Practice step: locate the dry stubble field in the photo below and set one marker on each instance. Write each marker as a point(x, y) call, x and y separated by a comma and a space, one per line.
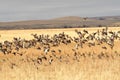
point(16, 67)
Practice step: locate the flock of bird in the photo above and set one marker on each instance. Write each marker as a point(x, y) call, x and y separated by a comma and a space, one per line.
point(44, 43)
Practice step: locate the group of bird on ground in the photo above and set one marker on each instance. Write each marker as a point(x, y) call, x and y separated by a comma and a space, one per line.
point(47, 43)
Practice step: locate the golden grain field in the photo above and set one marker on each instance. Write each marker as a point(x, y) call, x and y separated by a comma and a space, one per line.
point(25, 67)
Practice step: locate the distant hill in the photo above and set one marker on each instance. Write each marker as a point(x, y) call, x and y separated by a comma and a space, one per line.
point(63, 22)
point(69, 18)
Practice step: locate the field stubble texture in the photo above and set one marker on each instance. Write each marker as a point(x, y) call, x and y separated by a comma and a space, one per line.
point(74, 54)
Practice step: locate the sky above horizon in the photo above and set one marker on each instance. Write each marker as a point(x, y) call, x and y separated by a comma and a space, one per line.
point(17, 10)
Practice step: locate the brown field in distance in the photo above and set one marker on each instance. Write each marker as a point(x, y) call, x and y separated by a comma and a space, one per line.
point(16, 67)
point(63, 22)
